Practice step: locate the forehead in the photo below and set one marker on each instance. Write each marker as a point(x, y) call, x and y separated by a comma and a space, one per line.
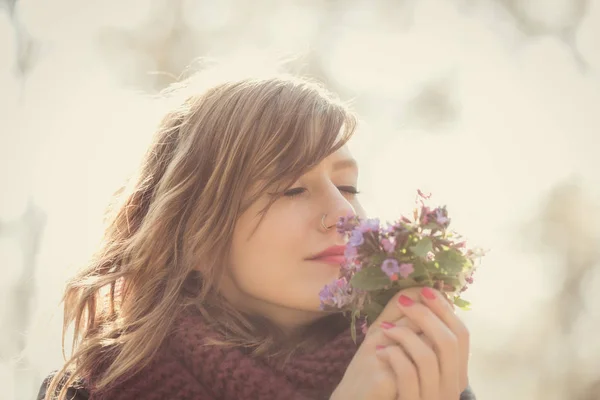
point(341, 159)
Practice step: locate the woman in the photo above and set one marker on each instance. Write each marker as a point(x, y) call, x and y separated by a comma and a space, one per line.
point(207, 283)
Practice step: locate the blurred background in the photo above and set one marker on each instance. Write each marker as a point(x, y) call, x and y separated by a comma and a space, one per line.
point(492, 105)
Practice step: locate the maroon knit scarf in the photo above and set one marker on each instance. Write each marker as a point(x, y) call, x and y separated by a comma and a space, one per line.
point(184, 369)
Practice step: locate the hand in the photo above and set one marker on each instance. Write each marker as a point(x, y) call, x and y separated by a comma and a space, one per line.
point(430, 366)
point(367, 376)
point(390, 373)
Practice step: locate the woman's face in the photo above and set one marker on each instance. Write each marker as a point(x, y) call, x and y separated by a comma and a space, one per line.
point(273, 270)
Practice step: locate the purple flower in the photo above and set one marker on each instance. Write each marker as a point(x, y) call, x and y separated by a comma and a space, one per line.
point(350, 252)
point(441, 216)
point(370, 225)
point(438, 216)
point(388, 245)
point(349, 268)
point(356, 238)
point(336, 294)
point(406, 270)
point(391, 268)
point(348, 223)
point(389, 229)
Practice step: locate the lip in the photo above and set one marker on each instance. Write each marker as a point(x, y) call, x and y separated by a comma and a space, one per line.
point(332, 255)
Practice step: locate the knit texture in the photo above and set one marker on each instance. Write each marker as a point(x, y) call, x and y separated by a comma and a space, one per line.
point(185, 369)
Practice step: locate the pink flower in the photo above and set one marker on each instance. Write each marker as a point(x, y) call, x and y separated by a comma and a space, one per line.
point(425, 196)
point(469, 279)
point(406, 269)
point(364, 327)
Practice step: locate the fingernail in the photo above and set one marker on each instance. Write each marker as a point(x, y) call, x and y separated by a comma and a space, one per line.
point(428, 293)
point(379, 347)
point(387, 325)
point(405, 301)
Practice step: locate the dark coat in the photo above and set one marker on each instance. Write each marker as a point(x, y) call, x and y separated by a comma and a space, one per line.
point(72, 393)
point(82, 394)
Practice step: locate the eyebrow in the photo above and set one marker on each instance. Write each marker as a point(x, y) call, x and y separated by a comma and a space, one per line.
point(345, 163)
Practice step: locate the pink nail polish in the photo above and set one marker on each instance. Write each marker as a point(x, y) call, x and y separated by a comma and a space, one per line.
point(379, 347)
point(387, 325)
point(405, 301)
point(428, 293)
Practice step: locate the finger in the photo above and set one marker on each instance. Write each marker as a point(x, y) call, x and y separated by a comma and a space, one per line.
point(423, 357)
point(404, 322)
point(390, 311)
point(405, 371)
point(444, 341)
point(426, 340)
point(435, 301)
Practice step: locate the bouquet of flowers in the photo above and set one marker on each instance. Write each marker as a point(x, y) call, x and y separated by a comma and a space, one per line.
point(380, 261)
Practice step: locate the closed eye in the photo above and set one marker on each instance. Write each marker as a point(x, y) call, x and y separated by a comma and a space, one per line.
point(351, 190)
point(294, 192)
point(348, 189)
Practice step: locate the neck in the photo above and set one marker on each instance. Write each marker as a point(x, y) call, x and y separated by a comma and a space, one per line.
point(290, 321)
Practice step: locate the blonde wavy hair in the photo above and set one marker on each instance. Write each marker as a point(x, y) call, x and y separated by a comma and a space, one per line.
point(169, 230)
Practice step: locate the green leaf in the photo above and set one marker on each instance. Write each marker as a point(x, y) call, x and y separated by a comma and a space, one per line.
point(462, 304)
point(420, 271)
point(354, 317)
point(384, 296)
point(423, 247)
point(452, 261)
point(401, 284)
point(433, 226)
point(373, 309)
point(450, 281)
point(377, 259)
point(370, 279)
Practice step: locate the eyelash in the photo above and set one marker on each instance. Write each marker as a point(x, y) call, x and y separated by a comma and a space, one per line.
point(351, 190)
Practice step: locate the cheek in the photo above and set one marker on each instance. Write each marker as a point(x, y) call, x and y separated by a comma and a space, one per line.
point(272, 249)
point(279, 238)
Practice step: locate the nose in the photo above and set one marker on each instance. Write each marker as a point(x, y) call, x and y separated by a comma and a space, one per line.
point(338, 207)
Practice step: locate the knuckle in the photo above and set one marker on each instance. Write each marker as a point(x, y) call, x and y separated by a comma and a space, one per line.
point(398, 334)
point(426, 357)
point(449, 341)
point(462, 332)
point(426, 360)
point(403, 367)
